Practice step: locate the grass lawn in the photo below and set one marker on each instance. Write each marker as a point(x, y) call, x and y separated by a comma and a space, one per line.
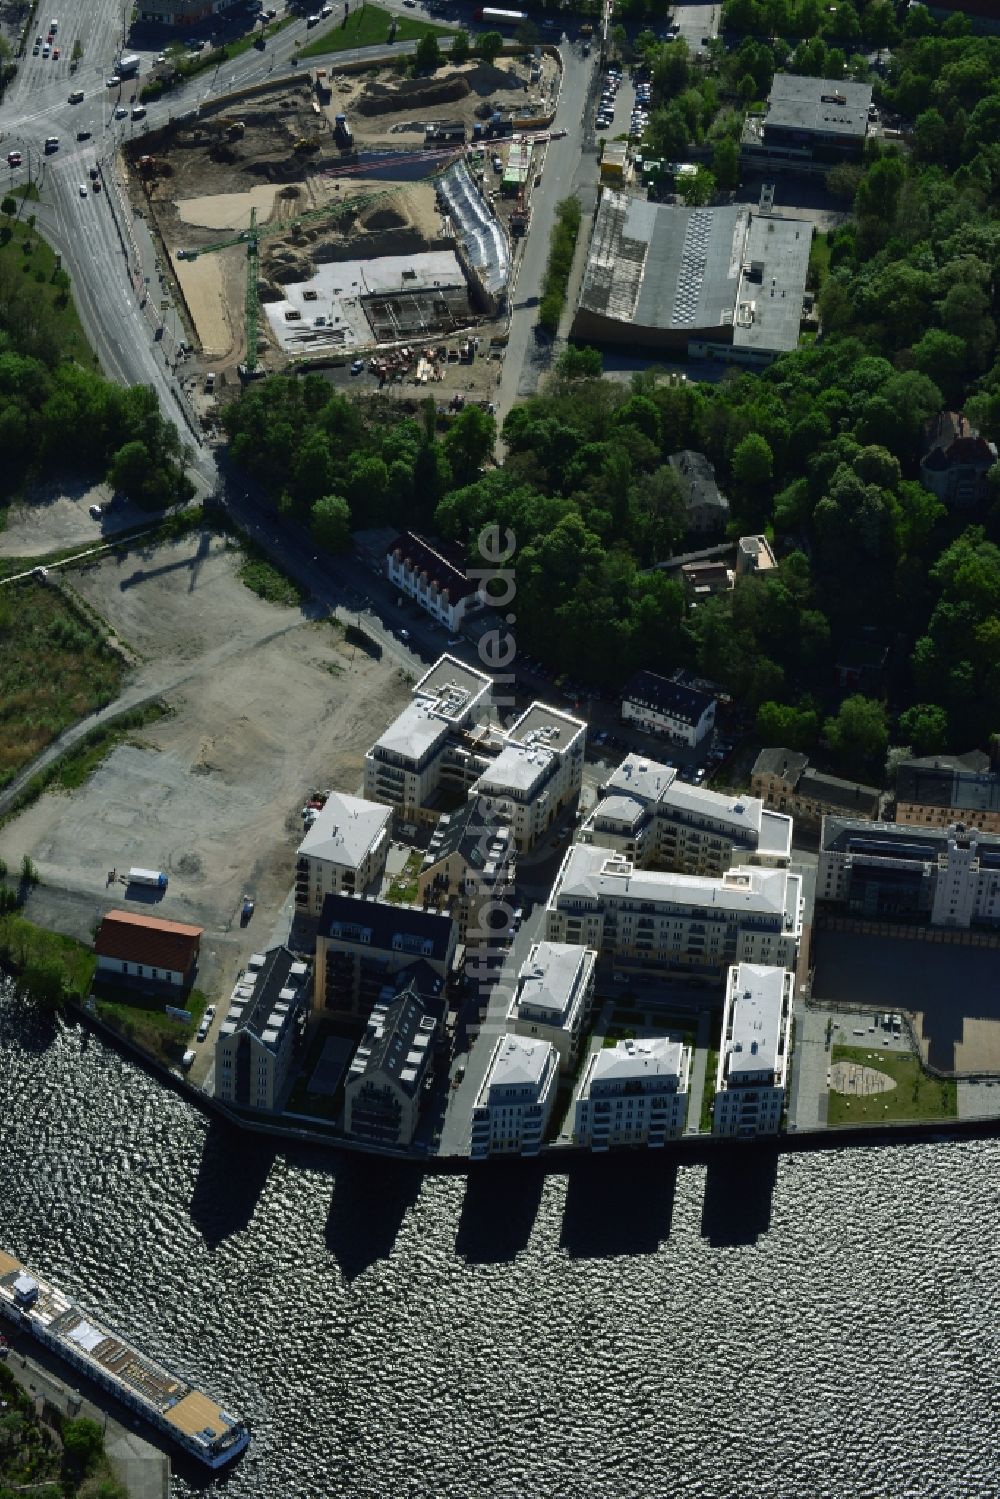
point(54, 669)
point(234, 49)
point(27, 251)
point(145, 1022)
point(24, 945)
point(403, 886)
point(916, 1095)
point(708, 1097)
point(268, 581)
point(368, 26)
point(819, 261)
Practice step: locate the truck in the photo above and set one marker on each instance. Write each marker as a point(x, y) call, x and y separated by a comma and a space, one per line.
point(128, 64)
point(151, 879)
point(343, 131)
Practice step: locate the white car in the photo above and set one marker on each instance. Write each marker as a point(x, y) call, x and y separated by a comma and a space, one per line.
point(83, 189)
point(187, 1059)
point(113, 82)
point(121, 113)
point(138, 111)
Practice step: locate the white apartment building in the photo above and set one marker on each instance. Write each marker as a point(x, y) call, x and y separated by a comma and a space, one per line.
point(635, 1093)
point(260, 1033)
point(753, 1060)
point(553, 997)
point(661, 822)
point(692, 926)
point(514, 1103)
point(344, 850)
point(437, 584)
point(444, 747)
point(675, 710)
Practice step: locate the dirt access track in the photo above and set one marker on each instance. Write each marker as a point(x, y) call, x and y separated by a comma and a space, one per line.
point(267, 704)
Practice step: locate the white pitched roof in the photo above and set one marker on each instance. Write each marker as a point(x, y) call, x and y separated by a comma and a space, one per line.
point(345, 829)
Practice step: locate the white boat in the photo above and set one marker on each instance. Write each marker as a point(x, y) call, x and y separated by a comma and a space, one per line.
point(190, 1418)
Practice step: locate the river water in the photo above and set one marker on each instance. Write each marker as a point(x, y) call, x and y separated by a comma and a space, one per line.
point(824, 1327)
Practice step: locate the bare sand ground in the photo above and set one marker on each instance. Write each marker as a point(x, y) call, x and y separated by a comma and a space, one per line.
point(228, 210)
point(202, 282)
point(268, 704)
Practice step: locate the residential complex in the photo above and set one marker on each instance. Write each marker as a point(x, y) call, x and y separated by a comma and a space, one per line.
point(391, 1068)
point(647, 922)
point(436, 582)
point(444, 749)
point(941, 789)
point(260, 1033)
point(634, 1093)
point(783, 780)
point(753, 1060)
point(885, 871)
point(658, 821)
point(810, 125)
point(723, 283)
point(344, 850)
point(468, 868)
point(553, 997)
point(362, 945)
point(670, 708)
point(131, 946)
point(514, 1102)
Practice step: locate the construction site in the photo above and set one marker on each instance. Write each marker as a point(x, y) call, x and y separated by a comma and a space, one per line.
point(326, 216)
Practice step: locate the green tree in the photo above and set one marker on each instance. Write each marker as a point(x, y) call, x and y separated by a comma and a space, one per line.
point(428, 53)
point(490, 45)
point(780, 725)
point(925, 727)
point(696, 189)
point(459, 52)
point(469, 442)
point(752, 461)
point(858, 734)
point(8, 206)
point(331, 523)
point(726, 164)
point(83, 1443)
point(580, 362)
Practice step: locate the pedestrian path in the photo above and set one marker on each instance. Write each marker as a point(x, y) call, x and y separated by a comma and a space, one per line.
point(698, 1066)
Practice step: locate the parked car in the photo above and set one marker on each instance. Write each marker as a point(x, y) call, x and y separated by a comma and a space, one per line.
point(187, 1060)
point(96, 511)
point(113, 82)
point(357, 367)
point(83, 189)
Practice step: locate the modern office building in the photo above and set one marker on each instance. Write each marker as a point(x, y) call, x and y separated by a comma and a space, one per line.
point(344, 850)
point(752, 1073)
point(444, 749)
point(939, 790)
point(634, 1094)
point(468, 868)
point(723, 283)
point(553, 997)
point(650, 815)
point(362, 945)
point(438, 583)
point(810, 125)
point(646, 923)
point(674, 710)
point(391, 1069)
point(885, 871)
point(785, 782)
point(261, 1031)
point(514, 1102)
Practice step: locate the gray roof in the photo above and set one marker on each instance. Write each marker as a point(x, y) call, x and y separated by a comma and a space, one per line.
point(769, 306)
point(686, 704)
point(398, 1041)
point(552, 980)
point(941, 785)
point(268, 996)
point(788, 764)
point(851, 795)
point(656, 1056)
point(811, 104)
point(755, 1022)
point(474, 832)
point(378, 924)
point(696, 478)
point(899, 840)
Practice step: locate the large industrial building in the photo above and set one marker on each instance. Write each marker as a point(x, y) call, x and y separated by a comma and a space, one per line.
point(715, 283)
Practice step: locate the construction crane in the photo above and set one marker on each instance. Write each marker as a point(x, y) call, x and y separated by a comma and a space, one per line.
point(252, 236)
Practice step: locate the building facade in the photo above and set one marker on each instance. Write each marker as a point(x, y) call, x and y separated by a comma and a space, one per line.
point(650, 815)
point(362, 945)
point(536, 775)
point(514, 1103)
point(671, 709)
point(752, 1076)
point(146, 951)
point(885, 871)
point(662, 925)
point(262, 1030)
point(785, 782)
point(633, 1094)
point(939, 790)
point(344, 850)
point(391, 1069)
point(468, 869)
point(553, 998)
point(433, 580)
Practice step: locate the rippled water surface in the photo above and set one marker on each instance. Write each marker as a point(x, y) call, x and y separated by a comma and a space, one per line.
point(827, 1327)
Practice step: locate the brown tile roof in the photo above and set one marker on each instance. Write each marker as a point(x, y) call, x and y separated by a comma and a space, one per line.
point(134, 938)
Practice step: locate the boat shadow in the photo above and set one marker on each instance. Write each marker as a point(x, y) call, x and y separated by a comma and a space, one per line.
point(617, 1206)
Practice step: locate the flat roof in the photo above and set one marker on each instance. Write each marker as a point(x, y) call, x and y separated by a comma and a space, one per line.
point(345, 829)
point(552, 979)
point(769, 309)
point(544, 725)
point(592, 872)
point(448, 680)
point(517, 768)
point(753, 1041)
point(641, 777)
point(656, 1056)
point(824, 106)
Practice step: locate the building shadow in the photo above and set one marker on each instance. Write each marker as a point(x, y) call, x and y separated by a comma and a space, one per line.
point(739, 1190)
point(232, 1174)
point(371, 1197)
point(499, 1211)
point(618, 1205)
